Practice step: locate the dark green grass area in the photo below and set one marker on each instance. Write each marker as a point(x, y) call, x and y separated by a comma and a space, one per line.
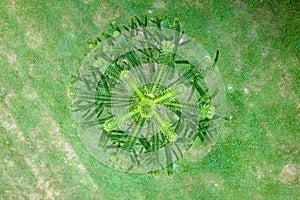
point(42, 43)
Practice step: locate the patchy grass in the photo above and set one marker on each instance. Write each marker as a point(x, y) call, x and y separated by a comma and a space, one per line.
point(258, 156)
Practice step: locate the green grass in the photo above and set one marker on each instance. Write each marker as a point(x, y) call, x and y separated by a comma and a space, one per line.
point(43, 42)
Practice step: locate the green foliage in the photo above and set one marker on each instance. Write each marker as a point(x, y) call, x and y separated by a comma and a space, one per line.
point(151, 103)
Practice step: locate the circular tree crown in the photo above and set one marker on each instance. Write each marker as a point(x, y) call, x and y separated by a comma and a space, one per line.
point(145, 94)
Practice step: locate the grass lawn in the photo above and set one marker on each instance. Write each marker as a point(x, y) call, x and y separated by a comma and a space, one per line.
point(42, 43)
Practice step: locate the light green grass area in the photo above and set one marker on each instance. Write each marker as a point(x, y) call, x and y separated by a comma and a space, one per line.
point(42, 43)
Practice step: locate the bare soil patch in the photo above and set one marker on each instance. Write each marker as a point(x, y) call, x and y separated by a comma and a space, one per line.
point(288, 174)
point(159, 4)
point(33, 38)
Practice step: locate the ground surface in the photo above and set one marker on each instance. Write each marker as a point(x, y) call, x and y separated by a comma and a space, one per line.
point(258, 155)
